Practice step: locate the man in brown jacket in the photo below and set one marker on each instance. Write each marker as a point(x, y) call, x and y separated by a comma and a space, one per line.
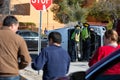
point(13, 50)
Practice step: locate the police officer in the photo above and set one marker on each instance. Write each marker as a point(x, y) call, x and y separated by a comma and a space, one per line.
point(85, 34)
point(76, 41)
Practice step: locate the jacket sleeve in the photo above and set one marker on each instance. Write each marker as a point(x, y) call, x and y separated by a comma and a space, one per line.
point(40, 61)
point(68, 64)
point(23, 55)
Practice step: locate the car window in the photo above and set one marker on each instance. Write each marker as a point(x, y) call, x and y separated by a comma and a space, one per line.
point(25, 34)
point(34, 34)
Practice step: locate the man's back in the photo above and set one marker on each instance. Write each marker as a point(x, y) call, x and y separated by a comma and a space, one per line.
point(9, 52)
point(58, 61)
point(13, 50)
point(55, 60)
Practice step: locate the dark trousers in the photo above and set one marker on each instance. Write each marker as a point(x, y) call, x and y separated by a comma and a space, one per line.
point(86, 49)
point(75, 51)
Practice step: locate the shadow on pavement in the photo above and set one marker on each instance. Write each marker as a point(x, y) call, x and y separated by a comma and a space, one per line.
point(80, 75)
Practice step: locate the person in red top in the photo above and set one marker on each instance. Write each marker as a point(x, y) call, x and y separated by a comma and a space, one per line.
point(111, 45)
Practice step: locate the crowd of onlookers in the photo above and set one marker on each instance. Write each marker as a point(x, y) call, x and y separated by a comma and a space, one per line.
point(53, 59)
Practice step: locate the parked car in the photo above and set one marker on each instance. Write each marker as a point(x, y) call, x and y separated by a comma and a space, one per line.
point(31, 39)
point(94, 71)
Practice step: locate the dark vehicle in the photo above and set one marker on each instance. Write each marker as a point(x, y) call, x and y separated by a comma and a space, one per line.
point(31, 39)
point(103, 65)
point(94, 71)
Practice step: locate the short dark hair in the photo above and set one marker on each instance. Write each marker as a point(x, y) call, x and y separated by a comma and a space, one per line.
point(55, 36)
point(9, 20)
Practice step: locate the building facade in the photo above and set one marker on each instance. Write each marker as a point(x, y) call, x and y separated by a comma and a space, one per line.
point(26, 13)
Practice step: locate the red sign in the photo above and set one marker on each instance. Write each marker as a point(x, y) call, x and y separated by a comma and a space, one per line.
point(41, 4)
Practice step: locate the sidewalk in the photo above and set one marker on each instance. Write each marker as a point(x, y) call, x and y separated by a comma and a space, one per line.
point(78, 66)
point(30, 74)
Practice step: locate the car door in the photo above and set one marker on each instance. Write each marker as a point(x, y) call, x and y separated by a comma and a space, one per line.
point(104, 64)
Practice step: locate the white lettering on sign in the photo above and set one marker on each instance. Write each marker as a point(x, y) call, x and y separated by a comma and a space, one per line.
point(44, 1)
point(33, 1)
point(40, 1)
point(44, 8)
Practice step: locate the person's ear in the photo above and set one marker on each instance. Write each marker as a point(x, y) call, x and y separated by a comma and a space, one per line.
point(11, 26)
point(51, 40)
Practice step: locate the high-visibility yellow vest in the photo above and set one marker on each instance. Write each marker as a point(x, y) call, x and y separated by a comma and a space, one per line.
point(85, 33)
point(76, 35)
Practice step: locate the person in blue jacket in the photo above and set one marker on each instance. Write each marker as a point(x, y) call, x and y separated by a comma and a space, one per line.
point(53, 60)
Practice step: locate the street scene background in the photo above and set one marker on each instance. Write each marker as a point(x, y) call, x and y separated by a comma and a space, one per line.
point(100, 14)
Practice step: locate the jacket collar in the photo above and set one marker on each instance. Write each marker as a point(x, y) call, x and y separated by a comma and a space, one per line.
point(4, 28)
point(113, 44)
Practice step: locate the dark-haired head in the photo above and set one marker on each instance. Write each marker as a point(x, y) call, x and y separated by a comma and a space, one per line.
point(55, 37)
point(9, 20)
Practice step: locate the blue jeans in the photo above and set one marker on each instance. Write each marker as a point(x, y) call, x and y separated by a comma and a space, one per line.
point(10, 78)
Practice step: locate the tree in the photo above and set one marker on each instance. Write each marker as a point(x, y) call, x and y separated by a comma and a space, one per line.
point(69, 10)
point(106, 10)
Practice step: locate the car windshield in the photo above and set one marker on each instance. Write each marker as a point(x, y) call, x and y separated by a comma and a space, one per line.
point(34, 34)
point(28, 34)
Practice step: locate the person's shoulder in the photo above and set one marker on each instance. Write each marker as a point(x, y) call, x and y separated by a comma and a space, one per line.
point(53, 47)
point(118, 46)
point(106, 47)
point(19, 37)
point(63, 49)
point(47, 48)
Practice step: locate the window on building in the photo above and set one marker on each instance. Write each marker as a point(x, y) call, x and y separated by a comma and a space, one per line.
point(21, 9)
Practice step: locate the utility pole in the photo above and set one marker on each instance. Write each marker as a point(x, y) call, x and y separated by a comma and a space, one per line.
point(47, 18)
point(6, 8)
point(9, 7)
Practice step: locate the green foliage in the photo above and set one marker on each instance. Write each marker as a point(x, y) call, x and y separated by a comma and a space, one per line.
point(27, 24)
point(105, 10)
point(66, 11)
point(74, 2)
point(109, 25)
